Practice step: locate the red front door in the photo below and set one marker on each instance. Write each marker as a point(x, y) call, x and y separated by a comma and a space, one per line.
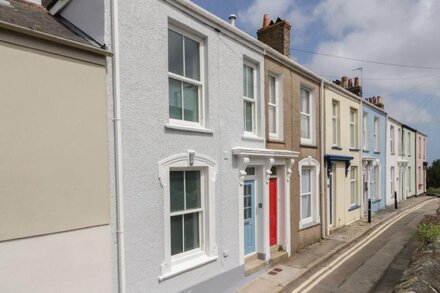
point(273, 196)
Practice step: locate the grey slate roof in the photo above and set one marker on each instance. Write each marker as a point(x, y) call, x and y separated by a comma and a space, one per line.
point(37, 18)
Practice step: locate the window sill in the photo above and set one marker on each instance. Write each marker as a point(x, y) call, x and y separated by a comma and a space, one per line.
point(334, 147)
point(276, 140)
point(376, 200)
point(308, 145)
point(365, 151)
point(180, 268)
point(309, 225)
point(252, 137)
point(354, 207)
point(354, 150)
point(189, 128)
point(305, 141)
point(377, 153)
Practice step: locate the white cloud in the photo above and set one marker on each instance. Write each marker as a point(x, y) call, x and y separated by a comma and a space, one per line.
point(411, 113)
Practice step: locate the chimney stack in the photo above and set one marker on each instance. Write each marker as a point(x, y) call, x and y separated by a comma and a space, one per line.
point(232, 19)
point(344, 80)
point(356, 81)
point(276, 34)
point(347, 84)
point(377, 101)
point(350, 83)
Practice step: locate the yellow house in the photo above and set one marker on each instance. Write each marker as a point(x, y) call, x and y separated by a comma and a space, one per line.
point(341, 155)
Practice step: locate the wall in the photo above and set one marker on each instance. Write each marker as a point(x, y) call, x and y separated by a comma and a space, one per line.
point(410, 157)
point(420, 158)
point(53, 141)
point(146, 140)
point(54, 175)
point(292, 82)
point(377, 155)
point(87, 15)
point(392, 161)
point(342, 200)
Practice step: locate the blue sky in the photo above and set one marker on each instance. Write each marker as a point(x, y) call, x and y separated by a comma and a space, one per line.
point(392, 31)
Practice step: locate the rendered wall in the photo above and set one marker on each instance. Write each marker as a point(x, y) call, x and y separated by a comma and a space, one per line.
point(420, 158)
point(53, 143)
point(392, 161)
point(410, 156)
point(146, 140)
point(342, 198)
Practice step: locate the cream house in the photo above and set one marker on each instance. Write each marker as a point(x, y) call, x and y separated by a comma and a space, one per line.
point(54, 160)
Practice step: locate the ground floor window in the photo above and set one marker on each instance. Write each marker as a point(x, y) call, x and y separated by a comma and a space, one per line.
point(392, 182)
point(353, 186)
point(376, 183)
point(309, 192)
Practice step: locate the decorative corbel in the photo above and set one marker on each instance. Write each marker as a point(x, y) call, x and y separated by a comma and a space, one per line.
point(269, 163)
point(329, 168)
point(244, 162)
point(347, 167)
point(191, 156)
point(289, 168)
point(162, 181)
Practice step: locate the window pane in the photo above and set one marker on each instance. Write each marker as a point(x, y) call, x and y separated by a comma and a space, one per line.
point(305, 180)
point(176, 191)
point(352, 136)
point(175, 53)
point(335, 134)
point(305, 126)
point(175, 98)
point(176, 235)
point(272, 90)
point(272, 120)
point(353, 192)
point(306, 206)
point(244, 81)
point(249, 82)
point(305, 101)
point(192, 181)
point(250, 171)
point(334, 110)
point(191, 102)
point(248, 116)
point(191, 224)
point(192, 59)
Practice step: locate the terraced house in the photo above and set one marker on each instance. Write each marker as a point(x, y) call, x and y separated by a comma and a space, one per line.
point(409, 157)
point(374, 164)
point(342, 153)
point(396, 166)
point(293, 99)
point(421, 163)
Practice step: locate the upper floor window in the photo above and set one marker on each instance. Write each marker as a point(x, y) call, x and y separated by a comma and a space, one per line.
point(249, 98)
point(353, 128)
point(424, 148)
point(185, 82)
point(409, 144)
point(399, 141)
point(376, 134)
point(309, 196)
point(306, 116)
point(335, 123)
point(365, 132)
point(392, 147)
point(275, 107)
point(420, 147)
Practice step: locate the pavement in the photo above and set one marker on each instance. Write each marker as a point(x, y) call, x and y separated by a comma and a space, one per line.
point(279, 277)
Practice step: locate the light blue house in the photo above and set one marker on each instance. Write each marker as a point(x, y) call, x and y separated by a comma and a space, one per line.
point(373, 137)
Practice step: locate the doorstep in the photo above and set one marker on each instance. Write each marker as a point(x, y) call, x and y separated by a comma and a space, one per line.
point(253, 264)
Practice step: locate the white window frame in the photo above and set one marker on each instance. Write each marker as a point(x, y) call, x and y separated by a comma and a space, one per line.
point(200, 84)
point(177, 264)
point(254, 101)
point(311, 116)
point(335, 123)
point(314, 166)
point(392, 144)
point(409, 144)
point(278, 134)
point(393, 174)
point(353, 140)
point(365, 131)
point(376, 122)
point(354, 171)
point(400, 142)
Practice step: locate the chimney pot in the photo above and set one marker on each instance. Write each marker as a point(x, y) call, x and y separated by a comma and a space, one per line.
point(350, 83)
point(356, 81)
point(232, 19)
point(344, 81)
point(266, 20)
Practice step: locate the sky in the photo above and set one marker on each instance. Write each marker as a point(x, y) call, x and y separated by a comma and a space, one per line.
point(400, 32)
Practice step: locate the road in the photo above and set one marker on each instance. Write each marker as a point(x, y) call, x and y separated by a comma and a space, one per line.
point(374, 264)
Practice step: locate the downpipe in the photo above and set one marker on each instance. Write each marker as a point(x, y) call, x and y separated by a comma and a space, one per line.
point(118, 152)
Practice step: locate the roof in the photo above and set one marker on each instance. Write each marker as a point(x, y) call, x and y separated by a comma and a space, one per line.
point(36, 18)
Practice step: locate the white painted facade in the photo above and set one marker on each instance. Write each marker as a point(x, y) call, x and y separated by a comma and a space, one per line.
point(395, 165)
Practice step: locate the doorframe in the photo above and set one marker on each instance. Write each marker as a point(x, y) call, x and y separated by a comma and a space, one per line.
point(278, 205)
point(254, 179)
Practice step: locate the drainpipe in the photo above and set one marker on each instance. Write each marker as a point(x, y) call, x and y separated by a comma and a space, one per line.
point(117, 146)
point(323, 185)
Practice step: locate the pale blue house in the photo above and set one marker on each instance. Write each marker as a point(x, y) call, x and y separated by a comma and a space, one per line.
point(373, 149)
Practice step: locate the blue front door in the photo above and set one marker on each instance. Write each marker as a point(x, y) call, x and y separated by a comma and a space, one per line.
point(249, 216)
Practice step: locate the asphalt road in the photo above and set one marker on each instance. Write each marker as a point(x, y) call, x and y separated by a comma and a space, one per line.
point(375, 267)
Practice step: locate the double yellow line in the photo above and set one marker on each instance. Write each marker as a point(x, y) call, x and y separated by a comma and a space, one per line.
point(331, 267)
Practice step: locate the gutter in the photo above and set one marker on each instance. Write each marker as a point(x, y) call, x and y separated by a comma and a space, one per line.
point(323, 186)
point(55, 39)
point(118, 152)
